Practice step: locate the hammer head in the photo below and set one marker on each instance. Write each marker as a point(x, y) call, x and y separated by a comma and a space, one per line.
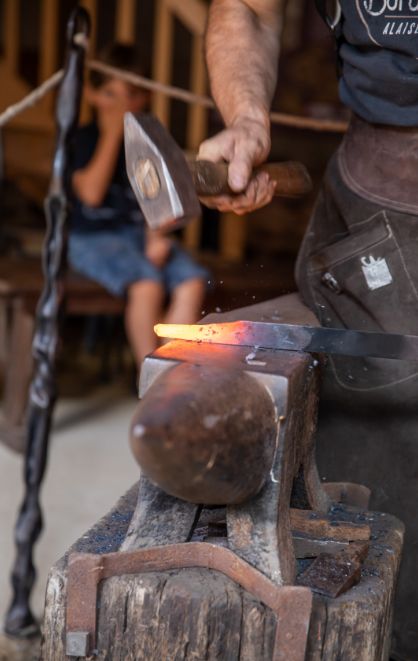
point(158, 173)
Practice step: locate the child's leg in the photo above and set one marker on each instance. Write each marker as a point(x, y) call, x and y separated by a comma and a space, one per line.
point(186, 302)
point(143, 310)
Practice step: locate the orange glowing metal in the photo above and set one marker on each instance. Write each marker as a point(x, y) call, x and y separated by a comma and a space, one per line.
point(293, 337)
point(236, 332)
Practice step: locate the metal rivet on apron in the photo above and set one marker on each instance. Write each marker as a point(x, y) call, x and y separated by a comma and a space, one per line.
point(332, 283)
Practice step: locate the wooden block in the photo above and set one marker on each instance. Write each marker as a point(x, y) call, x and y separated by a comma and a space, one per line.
point(323, 526)
point(308, 547)
point(332, 574)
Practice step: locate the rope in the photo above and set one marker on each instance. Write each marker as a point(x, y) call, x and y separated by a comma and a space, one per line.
point(32, 98)
point(283, 119)
point(309, 123)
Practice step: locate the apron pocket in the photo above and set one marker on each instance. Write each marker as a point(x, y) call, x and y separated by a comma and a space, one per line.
point(363, 282)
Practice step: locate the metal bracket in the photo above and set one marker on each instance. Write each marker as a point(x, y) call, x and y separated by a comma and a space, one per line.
point(292, 605)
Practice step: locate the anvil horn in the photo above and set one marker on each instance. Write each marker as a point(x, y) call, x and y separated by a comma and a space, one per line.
point(206, 434)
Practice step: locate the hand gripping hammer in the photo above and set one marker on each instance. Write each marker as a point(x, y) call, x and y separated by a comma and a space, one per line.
point(167, 186)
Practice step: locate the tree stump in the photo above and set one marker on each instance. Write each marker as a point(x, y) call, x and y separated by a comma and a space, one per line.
point(199, 614)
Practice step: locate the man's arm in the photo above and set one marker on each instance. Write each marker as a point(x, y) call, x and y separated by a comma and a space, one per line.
point(91, 183)
point(242, 45)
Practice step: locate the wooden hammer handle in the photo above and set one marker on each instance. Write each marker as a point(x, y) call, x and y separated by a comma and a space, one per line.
point(210, 179)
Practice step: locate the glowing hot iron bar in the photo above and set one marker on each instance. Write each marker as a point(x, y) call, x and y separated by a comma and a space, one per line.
point(290, 337)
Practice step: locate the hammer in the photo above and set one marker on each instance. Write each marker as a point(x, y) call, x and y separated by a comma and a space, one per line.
point(167, 186)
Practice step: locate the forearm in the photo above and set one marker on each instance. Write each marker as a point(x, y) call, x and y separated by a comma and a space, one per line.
point(92, 182)
point(157, 247)
point(242, 46)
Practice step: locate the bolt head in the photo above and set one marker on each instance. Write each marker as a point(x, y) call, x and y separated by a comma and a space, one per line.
point(77, 643)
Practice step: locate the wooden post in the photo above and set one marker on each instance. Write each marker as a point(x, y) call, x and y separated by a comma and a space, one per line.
point(125, 21)
point(162, 59)
point(91, 6)
point(49, 39)
point(20, 363)
point(11, 42)
point(17, 365)
point(197, 115)
point(192, 13)
point(233, 236)
point(197, 120)
point(49, 43)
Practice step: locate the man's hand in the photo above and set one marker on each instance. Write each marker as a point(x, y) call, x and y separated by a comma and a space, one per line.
point(111, 101)
point(110, 120)
point(244, 145)
point(158, 249)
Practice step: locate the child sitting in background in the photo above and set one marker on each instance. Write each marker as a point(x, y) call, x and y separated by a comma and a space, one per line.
point(108, 240)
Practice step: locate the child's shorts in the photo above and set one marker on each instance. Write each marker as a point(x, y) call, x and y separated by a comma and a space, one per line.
point(115, 259)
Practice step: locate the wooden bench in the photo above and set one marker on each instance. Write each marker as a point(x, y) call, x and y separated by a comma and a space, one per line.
point(21, 283)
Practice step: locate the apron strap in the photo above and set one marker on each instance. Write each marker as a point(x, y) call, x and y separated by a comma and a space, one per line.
point(330, 11)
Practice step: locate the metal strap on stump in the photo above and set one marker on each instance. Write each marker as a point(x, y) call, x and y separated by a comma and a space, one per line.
point(292, 605)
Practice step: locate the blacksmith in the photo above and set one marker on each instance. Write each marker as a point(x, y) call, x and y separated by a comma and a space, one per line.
point(358, 264)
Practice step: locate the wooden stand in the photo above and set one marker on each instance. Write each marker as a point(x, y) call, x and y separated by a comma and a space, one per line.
point(154, 578)
point(200, 614)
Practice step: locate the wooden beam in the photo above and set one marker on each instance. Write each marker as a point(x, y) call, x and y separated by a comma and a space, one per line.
point(125, 21)
point(91, 6)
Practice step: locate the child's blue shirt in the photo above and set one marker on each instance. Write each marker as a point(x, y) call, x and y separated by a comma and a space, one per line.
point(119, 207)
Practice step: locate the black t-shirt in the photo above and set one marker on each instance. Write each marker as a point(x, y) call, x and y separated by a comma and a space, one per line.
point(379, 57)
point(119, 207)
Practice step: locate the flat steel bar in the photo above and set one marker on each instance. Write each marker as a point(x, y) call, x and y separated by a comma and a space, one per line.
point(290, 337)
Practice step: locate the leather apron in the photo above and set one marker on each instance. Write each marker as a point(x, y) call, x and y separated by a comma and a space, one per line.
point(358, 268)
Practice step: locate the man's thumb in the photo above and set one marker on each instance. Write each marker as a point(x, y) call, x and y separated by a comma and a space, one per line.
point(239, 174)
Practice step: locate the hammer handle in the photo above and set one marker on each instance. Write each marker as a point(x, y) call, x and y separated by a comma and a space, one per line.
point(210, 179)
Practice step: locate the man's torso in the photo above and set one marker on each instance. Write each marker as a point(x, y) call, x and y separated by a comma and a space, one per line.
point(378, 50)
